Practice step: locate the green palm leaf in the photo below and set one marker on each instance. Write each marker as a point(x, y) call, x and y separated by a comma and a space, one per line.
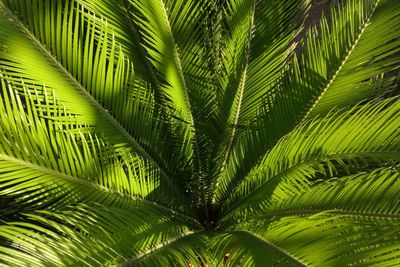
point(323, 147)
point(330, 239)
point(325, 77)
point(76, 96)
point(199, 133)
point(102, 235)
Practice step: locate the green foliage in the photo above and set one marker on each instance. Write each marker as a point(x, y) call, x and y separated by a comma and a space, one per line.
point(199, 133)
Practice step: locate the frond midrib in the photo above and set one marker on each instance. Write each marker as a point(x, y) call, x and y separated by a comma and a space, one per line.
point(178, 63)
point(242, 85)
point(200, 180)
point(333, 212)
point(340, 66)
point(166, 243)
point(64, 176)
point(87, 183)
point(306, 161)
point(136, 145)
point(275, 247)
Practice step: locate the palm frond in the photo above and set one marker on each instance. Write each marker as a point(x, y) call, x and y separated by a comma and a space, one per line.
point(38, 67)
point(199, 133)
point(336, 68)
point(172, 36)
point(162, 35)
point(254, 64)
point(371, 194)
point(329, 239)
point(188, 249)
point(365, 135)
point(363, 50)
point(116, 14)
point(244, 248)
point(63, 159)
point(95, 65)
point(89, 235)
point(84, 190)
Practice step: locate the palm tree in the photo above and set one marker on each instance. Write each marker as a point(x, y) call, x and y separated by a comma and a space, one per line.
point(199, 133)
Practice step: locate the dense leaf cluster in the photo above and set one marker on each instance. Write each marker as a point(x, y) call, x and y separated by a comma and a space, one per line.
point(199, 133)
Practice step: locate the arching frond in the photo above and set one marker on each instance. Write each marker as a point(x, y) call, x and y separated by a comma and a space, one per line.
point(188, 249)
point(95, 64)
point(173, 37)
point(89, 235)
point(116, 14)
point(38, 67)
point(363, 50)
point(167, 43)
point(364, 135)
point(329, 239)
point(199, 133)
point(258, 47)
point(64, 160)
point(84, 190)
point(372, 194)
point(247, 249)
point(336, 68)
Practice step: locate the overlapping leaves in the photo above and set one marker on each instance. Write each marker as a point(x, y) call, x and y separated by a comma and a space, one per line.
point(129, 128)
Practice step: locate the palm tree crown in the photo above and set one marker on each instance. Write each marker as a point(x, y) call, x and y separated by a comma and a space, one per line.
point(199, 133)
